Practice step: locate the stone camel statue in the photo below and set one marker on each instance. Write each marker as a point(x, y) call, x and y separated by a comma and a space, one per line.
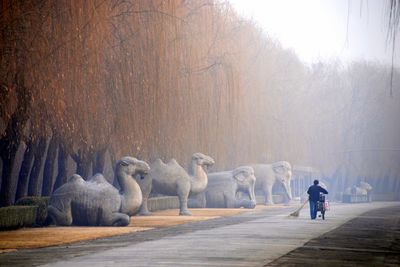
point(96, 202)
point(223, 187)
point(268, 174)
point(172, 180)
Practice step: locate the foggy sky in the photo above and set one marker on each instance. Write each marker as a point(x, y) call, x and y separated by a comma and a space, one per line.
point(325, 29)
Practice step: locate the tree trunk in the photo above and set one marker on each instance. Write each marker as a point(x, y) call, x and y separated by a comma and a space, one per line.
point(9, 144)
point(48, 173)
point(398, 189)
point(23, 179)
point(379, 184)
point(62, 167)
point(99, 161)
point(113, 161)
point(83, 168)
point(34, 178)
point(6, 194)
point(83, 162)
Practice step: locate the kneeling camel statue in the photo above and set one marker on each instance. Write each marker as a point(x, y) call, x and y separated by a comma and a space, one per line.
point(96, 202)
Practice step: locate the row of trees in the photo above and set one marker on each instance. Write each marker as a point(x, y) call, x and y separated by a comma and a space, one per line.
point(84, 83)
point(145, 78)
point(356, 133)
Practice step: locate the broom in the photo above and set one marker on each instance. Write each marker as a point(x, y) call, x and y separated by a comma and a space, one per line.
point(297, 212)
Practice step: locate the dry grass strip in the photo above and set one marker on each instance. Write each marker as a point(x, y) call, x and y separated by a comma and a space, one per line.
point(51, 236)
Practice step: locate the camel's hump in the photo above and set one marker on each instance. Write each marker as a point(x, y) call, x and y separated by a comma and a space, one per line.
point(175, 167)
point(173, 162)
point(75, 178)
point(172, 168)
point(98, 178)
point(158, 162)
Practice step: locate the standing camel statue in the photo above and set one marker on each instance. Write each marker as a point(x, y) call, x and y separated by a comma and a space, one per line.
point(172, 180)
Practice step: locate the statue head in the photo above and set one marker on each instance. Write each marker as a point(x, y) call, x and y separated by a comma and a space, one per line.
point(132, 167)
point(366, 186)
point(245, 179)
point(244, 175)
point(202, 160)
point(283, 174)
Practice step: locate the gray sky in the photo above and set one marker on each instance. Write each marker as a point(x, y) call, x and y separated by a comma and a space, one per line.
point(325, 29)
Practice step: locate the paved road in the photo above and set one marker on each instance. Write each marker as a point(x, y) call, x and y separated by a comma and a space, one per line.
point(255, 238)
point(372, 239)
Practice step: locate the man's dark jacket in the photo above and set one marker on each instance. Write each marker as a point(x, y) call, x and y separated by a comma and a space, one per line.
point(314, 191)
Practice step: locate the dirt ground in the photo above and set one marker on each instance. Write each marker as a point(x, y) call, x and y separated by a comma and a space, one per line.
point(50, 236)
point(166, 218)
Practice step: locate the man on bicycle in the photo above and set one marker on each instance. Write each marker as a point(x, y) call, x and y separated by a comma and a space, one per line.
point(313, 192)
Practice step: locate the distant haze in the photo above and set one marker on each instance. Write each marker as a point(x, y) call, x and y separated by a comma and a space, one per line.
point(321, 30)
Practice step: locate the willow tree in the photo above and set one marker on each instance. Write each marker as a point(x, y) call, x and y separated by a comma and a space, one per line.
point(15, 95)
point(393, 29)
point(148, 78)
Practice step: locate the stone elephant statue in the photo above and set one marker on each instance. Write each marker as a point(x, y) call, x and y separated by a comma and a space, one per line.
point(222, 189)
point(361, 189)
point(269, 174)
